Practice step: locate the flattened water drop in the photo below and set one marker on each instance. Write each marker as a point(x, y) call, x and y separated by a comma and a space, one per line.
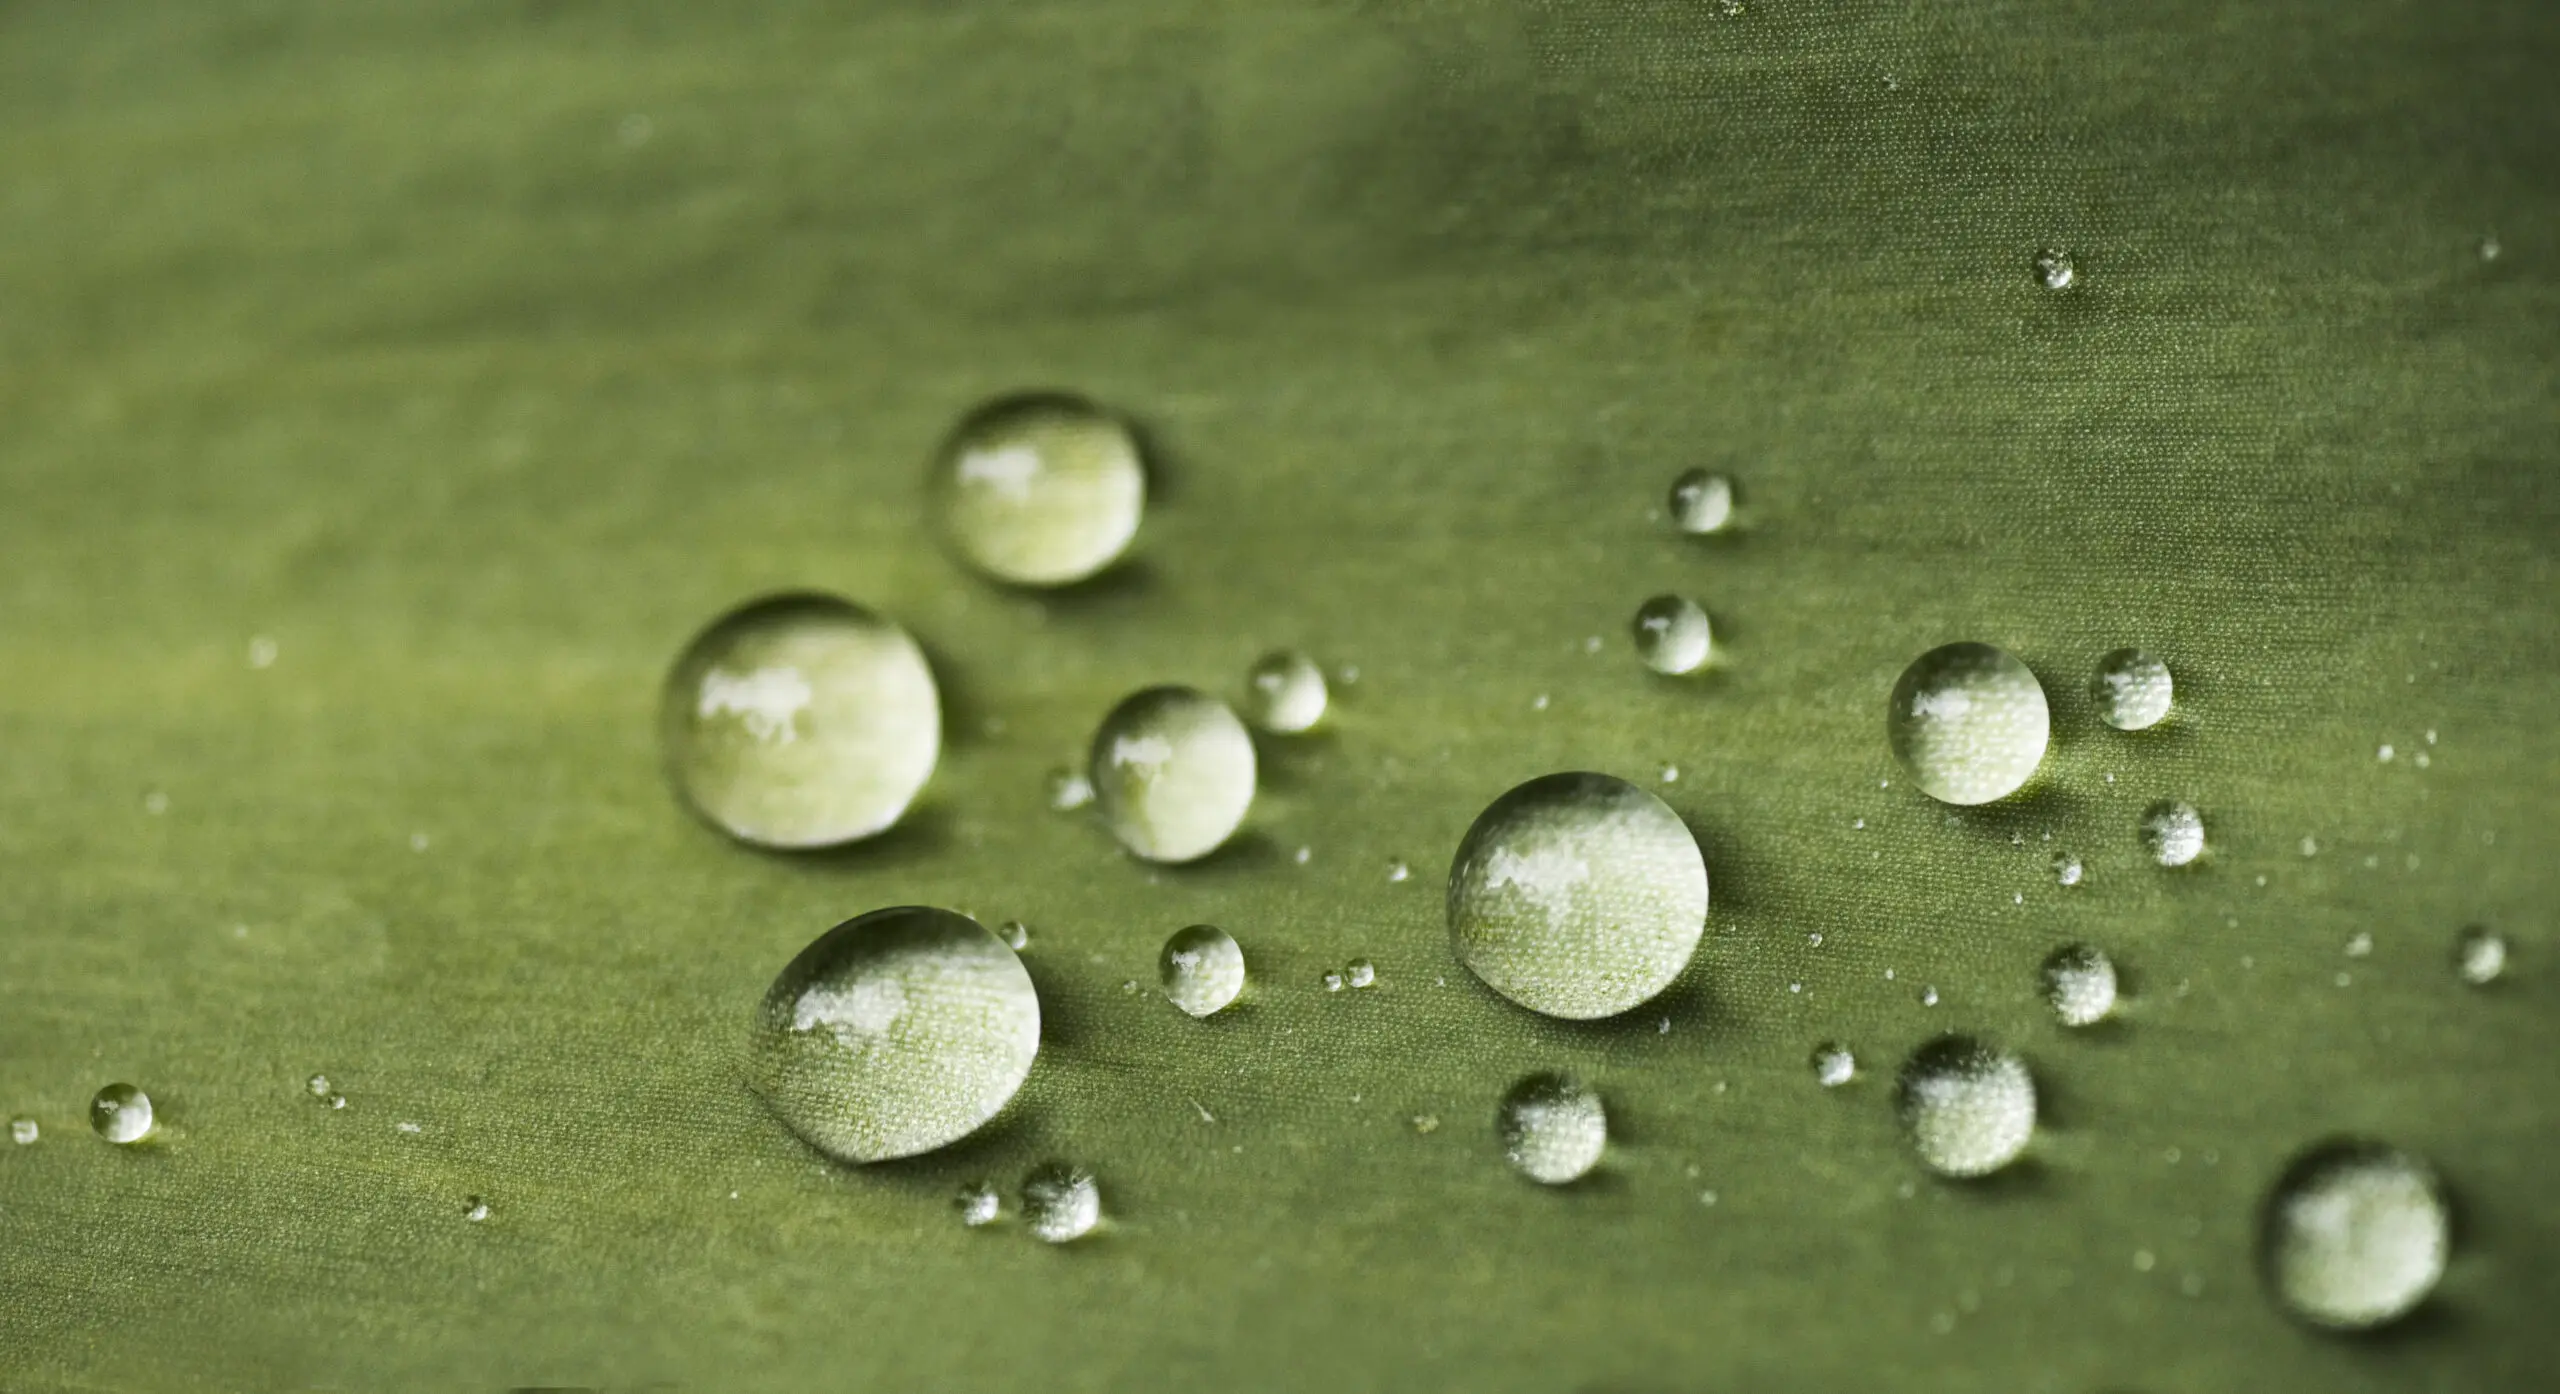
point(2053, 269)
point(23, 1130)
point(2173, 832)
point(1202, 969)
point(1173, 773)
point(1040, 490)
point(1577, 895)
point(2480, 955)
point(1833, 1064)
point(894, 1033)
point(2355, 1234)
point(2080, 985)
point(1967, 1107)
point(2131, 689)
point(1701, 502)
point(121, 1114)
point(1061, 1203)
point(1672, 634)
point(801, 721)
point(1285, 692)
point(1969, 722)
point(1553, 1128)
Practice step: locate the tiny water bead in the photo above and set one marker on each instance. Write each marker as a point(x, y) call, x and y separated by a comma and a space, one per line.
point(1553, 1128)
point(978, 1204)
point(1331, 981)
point(2080, 984)
point(2131, 689)
point(2173, 832)
point(1016, 935)
point(894, 1033)
point(1285, 693)
point(2053, 269)
point(1834, 1065)
point(1701, 502)
point(2480, 955)
point(1672, 634)
point(1040, 490)
point(1060, 1203)
point(474, 1209)
point(1202, 969)
point(2067, 869)
point(1577, 895)
point(318, 1085)
point(801, 721)
point(1967, 1106)
point(1069, 790)
point(1173, 773)
point(1969, 721)
point(121, 1114)
point(2356, 1234)
point(23, 1130)
point(1360, 972)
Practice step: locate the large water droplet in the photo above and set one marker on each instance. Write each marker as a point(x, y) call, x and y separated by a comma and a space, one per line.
point(1672, 634)
point(1577, 895)
point(801, 721)
point(1060, 1202)
point(2480, 955)
point(2132, 690)
point(894, 1033)
point(1967, 1106)
point(1833, 1064)
point(1553, 1128)
point(1701, 502)
point(121, 1114)
point(1969, 722)
point(1173, 773)
point(2356, 1234)
point(1285, 692)
point(2054, 270)
point(2080, 984)
point(2173, 832)
point(1202, 969)
point(1040, 490)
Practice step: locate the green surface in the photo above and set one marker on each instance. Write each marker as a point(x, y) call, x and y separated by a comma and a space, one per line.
point(383, 332)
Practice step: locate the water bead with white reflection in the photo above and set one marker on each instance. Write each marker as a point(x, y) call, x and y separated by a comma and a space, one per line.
point(1202, 969)
point(1967, 1107)
point(2132, 690)
point(1040, 490)
point(1577, 895)
point(2054, 269)
point(1360, 972)
point(318, 1086)
point(2355, 1235)
point(978, 1204)
point(1672, 634)
point(1015, 934)
point(121, 1114)
point(1069, 790)
point(1285, 693)
point(2173, 832)
point(1969, 721)
point(801, 721)
point(1834, 1064)
point(894, 1033)
point(474, 1209)
point(2480, 955)
point(2067, 869)
point(1060, 1203)
point(1553, 1128)
point(1701, 502)
point(1173, 773)
point(2080, 984)
point(24, 1130)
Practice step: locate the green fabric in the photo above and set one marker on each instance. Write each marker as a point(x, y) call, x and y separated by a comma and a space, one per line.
point(478, 354)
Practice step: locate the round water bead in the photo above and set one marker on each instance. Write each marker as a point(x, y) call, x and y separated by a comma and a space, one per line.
point(894, 1033)
point(2054, 269)
point(1701, 502)
point(1672, 634)
point(1834, 1064)
point(2067, 870)
point(978, 1204)
point(2132, 690)
point(1285, 692)
point(1060, 1202)
point(2480, 955)
point(801, 721)
point(1553, 1128)
point(1202, 969)
point(121, 1114)
point(2080, 984)
point(1967, 1106)
point(2173, 832)
point(1040, 490)
point(1969, 722)
point(1173, 773)
point(1577, 895)
point(24, 1130)
point(2356, 1234)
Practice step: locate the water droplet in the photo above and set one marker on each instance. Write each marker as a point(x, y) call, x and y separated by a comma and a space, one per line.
point(1833, 1064)
point(2067, 869)
point(1332, 982)
point(2131, 689)
point(2355, 1234)
point(2360, 944)
point(1202, 969)
point(1285, 692)
point(800, 721)
point(23, 1130)
point(1967, 1106)
point(2423, 759)
point(1129, 987)
point(406, 1127)
point(1303, 855)
point(121, 1114)
point(1069, 790)
point(2431, 735)
point(2053, 269)
point(978, 1204)
point(1538, 703)
point(1969, 722)
point(1016, 935)
point(262, 652)
point(336, 1101)
point(1060, 1202)
point(1426, 1122)
point(155, 803)
point(2480, 955)
point(1671, 774)
point(1173, 772)
point(2383, 753)
point(1397, 870)
point(1701, 502)
point(1672, 634)
point(1929, 996)
point(2143, 1260)
point(1040, 490)
point(475, 1209)
point(1360, 972)
point(318, 1085)
point(894, 1033)
point(1553, 1128)
point(1577, 895)
point(2311, 847)
point(2080, 984)
point(2174, 832)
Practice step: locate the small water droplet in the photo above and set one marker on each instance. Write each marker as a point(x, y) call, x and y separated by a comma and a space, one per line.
point(2480, 955)
point(1173, 773)
point(2355, 1234)
point(2067, 869)
point(1303, 855)
point(318, 1085)
point(1577, 895)
point(1929, 996)
point(1129, 987)
point(475, 1209)
point(1969, 722)
point(1060, 1203)
point(1347, 675)
point(1332, 982)
point(2310, 847)
point(1814, 938)
point(1553, 1128)
point(1707, 1197)
point(1701, 502)
point(1834, 1064)
point(1360, 972)
point(2422, 759)
point(262, 652)
point(2346, 979)
point(2360, 944)
point(1016, 935)
point(2173, 832)
point(2143, 1260)
point(2489, 247)
point(1068, 791)
point(2054, 270)
point(2383, 753)
point(121, 1114)
point(406, 1127)
point(2131, 689)
point(2080, 984)
point(336, 1101)
point(155, 803)
point(978, 1204)
point(1040, 490)
point(1202, 969)
point(1968, 1107)
point(1538, 703)
point(23, 1130)
point(1672, 634)
point(1671, 774)
point(1397, 871)
point(1285, 692)
point(1426, 1122)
